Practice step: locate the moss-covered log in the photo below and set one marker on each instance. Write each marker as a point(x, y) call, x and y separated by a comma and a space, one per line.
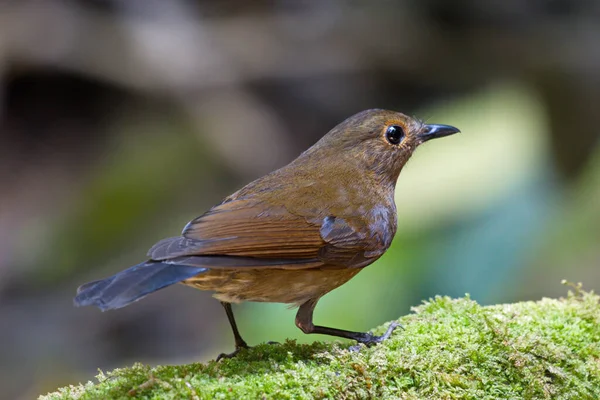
point(449, 349)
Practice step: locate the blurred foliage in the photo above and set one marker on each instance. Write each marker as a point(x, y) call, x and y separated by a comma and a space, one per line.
point(569, 248)
point(126, 195)
point(502, 146)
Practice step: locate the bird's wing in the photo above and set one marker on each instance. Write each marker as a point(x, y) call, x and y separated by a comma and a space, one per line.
point(251, 233)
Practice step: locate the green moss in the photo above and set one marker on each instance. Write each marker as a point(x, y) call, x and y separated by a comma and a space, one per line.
point(449, 349)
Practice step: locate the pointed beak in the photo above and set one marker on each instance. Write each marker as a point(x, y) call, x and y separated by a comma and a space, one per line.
point(435, 131)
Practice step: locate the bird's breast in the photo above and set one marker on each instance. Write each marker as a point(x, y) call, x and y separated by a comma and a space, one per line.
point(271, 285)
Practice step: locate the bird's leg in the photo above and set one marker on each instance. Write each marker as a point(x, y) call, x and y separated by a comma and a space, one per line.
point(304, 322)
point(239, 342)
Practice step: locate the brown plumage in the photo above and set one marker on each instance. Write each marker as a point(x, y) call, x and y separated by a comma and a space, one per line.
point(293, 235)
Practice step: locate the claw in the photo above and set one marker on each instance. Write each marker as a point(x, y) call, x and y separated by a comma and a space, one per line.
point(230, 355)
point(237, 350)
point(369, 339)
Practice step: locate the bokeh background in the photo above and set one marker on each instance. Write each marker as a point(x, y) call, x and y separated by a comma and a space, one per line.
point(120, 120)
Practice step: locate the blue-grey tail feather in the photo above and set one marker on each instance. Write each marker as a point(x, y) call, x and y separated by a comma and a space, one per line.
point(132, 284)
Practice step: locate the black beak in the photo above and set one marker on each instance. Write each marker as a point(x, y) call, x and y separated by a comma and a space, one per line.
point(435, 131)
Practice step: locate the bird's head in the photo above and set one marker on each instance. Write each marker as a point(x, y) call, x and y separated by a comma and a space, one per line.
point(380, 141)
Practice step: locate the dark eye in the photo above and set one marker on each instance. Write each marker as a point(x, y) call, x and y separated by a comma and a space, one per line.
point(394, 134)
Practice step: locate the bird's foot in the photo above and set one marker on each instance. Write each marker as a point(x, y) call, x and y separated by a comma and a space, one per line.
point(369, 339)
point(232, 354)
point(237, 350)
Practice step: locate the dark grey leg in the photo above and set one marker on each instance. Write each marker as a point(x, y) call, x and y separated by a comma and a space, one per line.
point(304, 321)
point(239, 342)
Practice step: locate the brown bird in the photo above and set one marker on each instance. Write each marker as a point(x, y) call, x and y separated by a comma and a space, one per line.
point(293, 235)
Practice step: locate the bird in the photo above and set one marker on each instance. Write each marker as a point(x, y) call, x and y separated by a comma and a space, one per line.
point(293, 235)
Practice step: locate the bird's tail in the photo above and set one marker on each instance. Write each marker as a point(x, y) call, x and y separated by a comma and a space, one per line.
point(132, 284)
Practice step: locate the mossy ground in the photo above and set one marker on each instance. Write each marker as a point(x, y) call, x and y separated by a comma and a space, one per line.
point(449, 349)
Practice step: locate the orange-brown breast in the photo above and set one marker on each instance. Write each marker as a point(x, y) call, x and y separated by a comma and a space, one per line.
point(271, 285)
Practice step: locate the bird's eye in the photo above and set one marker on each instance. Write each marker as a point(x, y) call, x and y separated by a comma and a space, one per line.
point(394, 134)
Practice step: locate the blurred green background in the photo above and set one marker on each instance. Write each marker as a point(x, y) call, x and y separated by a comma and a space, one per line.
point(121, 120)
